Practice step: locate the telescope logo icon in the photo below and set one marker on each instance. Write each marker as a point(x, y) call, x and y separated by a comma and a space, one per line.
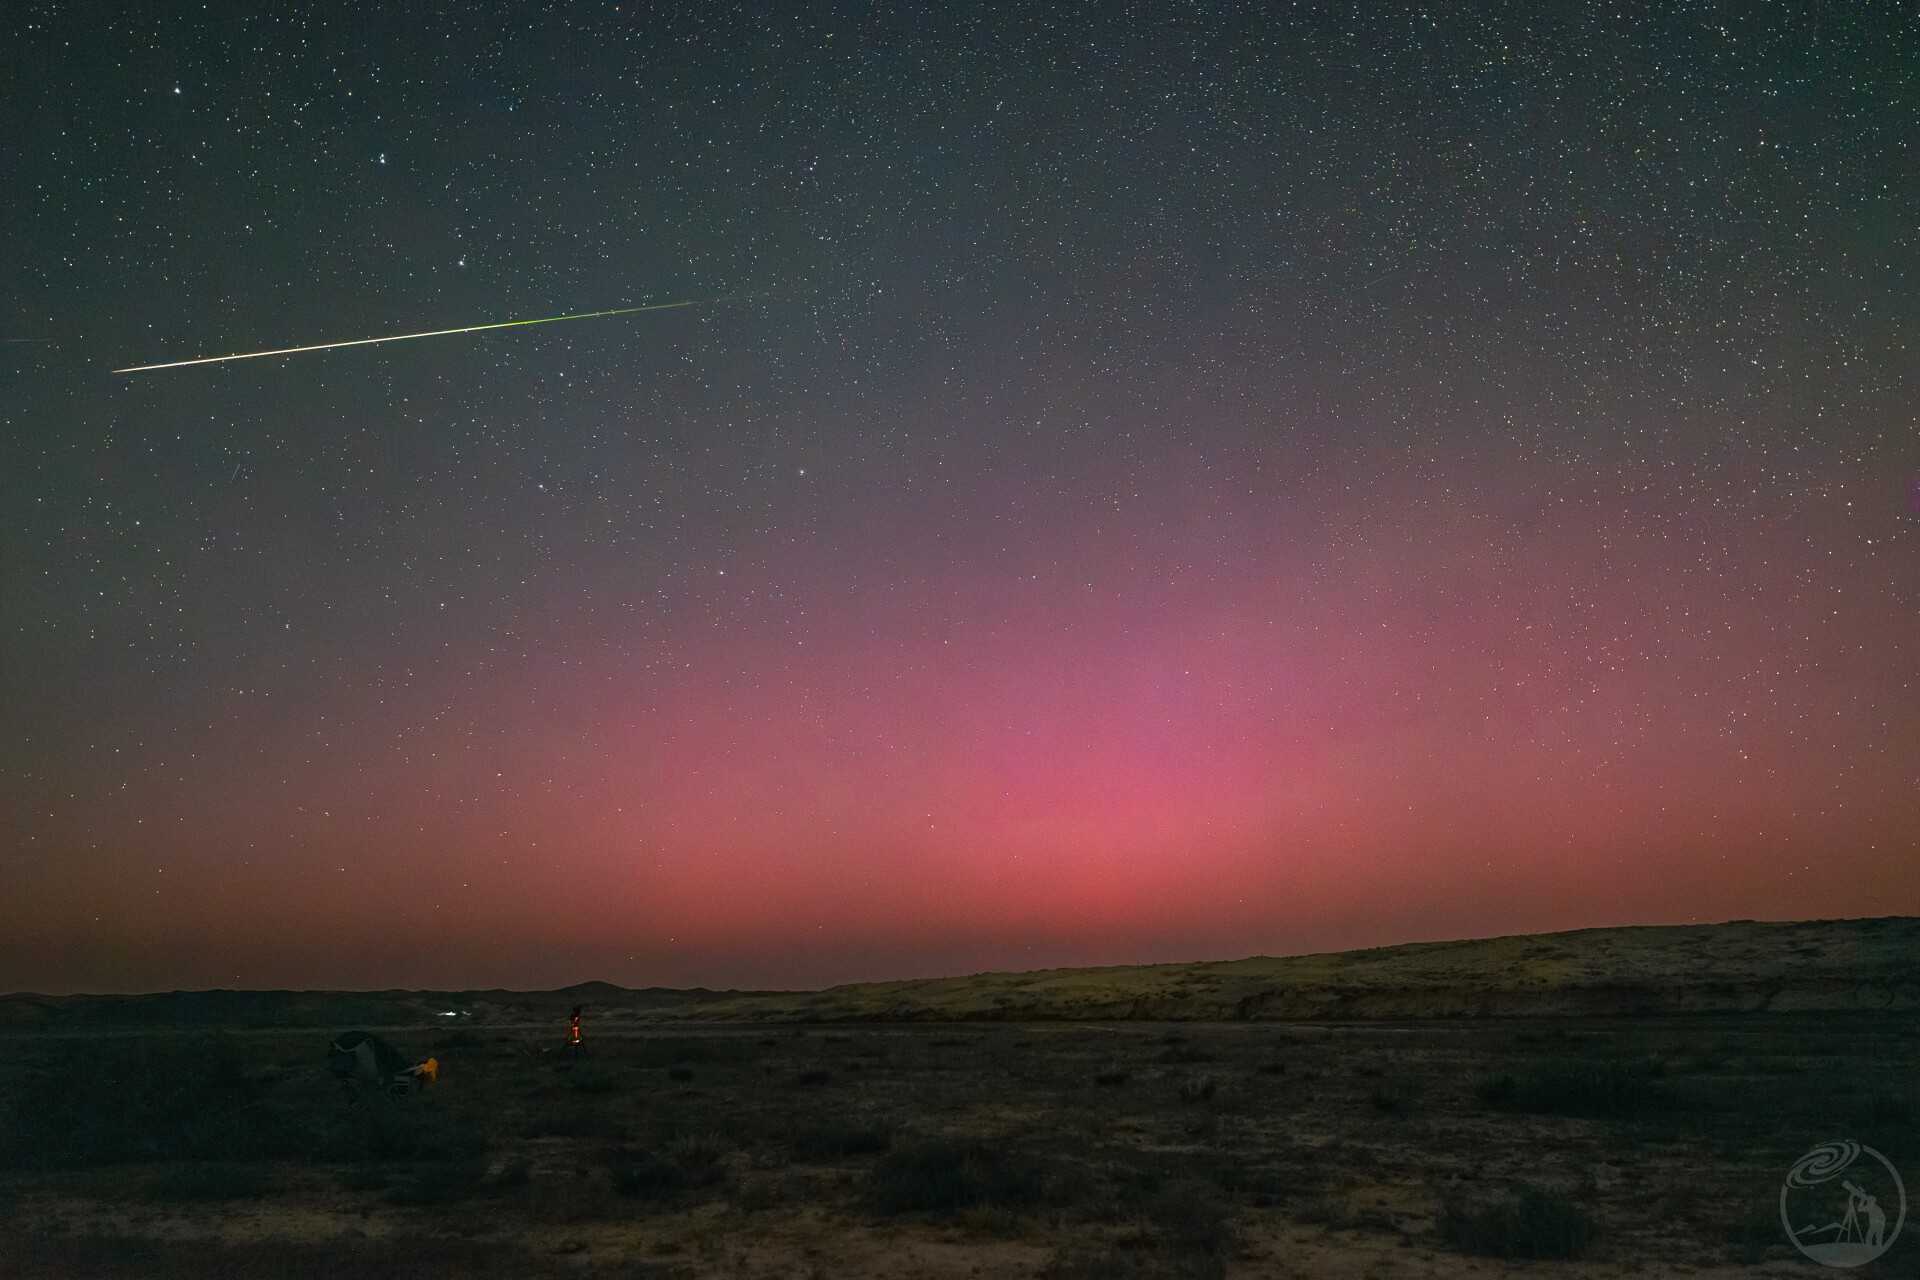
point(1843, 1204)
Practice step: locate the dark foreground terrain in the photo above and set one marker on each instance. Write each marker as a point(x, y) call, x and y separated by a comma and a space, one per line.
point(1600, 1103)
point(1646, 1146)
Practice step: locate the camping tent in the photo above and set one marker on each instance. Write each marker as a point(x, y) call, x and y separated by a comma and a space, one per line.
point(362, 1059)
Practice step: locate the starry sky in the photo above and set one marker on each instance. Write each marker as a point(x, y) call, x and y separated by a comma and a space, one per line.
point(1164, 481)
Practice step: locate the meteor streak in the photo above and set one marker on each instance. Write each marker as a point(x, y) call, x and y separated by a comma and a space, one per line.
point(402, 337)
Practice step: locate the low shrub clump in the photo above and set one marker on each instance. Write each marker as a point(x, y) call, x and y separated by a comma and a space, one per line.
point(1198, 1088)
point(1609, 1088)
point(1129, 1264)
point(593, 1080)
point(699, 1156)
point(382, 1129)
point(1192, 1218)
point(838, 1141)
point(573, 1119)
point(515, 1173)
point(212, 1180)
point(686, 1163)
point(1536, 1224)
point(433, 1185)
point(1177, 1053)
point(1187, 1231)
point(946, 1177)
point(648, 1178)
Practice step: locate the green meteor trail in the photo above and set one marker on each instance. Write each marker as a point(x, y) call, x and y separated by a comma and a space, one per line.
point(402, 337)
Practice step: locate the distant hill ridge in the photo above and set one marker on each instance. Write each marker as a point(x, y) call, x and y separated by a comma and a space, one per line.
point(1744, 966)
point(1740, 967)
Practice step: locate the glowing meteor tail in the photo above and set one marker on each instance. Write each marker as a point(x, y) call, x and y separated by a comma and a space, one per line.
point(402, 337)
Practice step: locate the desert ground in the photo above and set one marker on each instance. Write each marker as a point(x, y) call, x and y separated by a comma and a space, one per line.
point(960, 1131)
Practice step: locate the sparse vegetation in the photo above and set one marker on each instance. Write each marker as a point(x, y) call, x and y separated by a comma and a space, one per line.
point(123, 1257)
point(1198, 1088)
point(176, 1099)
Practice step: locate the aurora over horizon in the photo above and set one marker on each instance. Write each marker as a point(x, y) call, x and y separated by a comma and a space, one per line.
point(1187, 483)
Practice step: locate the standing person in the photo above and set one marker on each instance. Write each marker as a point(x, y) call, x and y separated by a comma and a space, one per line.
point(1876, 1233)
point(576, 1048)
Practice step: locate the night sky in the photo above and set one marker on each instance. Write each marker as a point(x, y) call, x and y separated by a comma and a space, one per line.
point(1168, 482)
